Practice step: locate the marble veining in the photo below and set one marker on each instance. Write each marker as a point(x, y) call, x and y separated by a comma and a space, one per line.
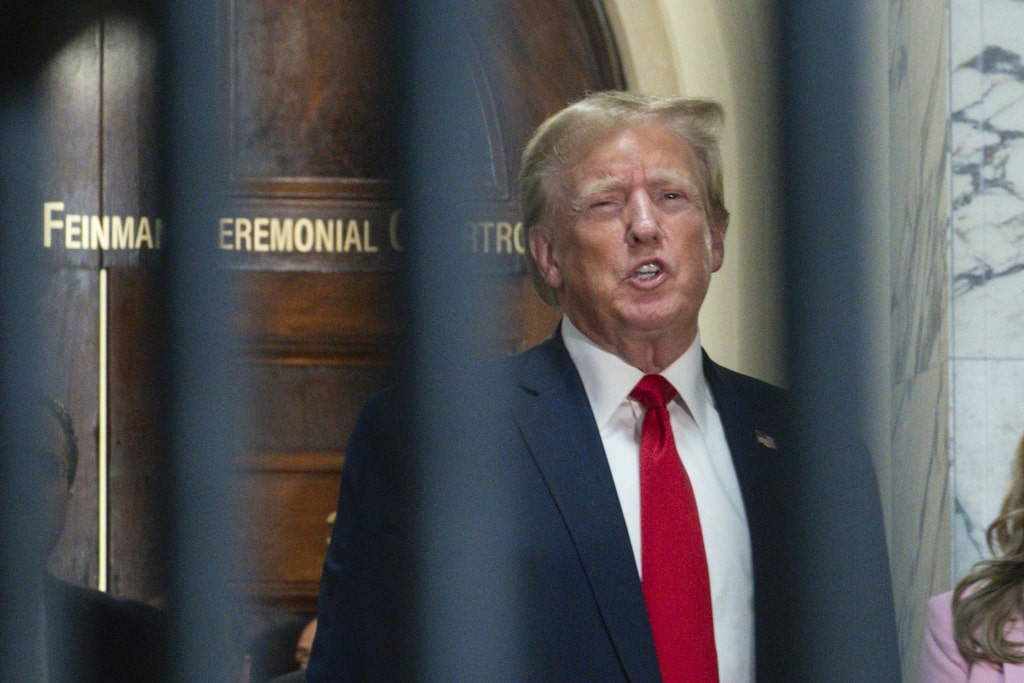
point(919, 513)
point(986, 263)
point(987, 177)
point(988, 171)
point(956, 117)
point(988, 421)
point(920, 540)
point(918, 173)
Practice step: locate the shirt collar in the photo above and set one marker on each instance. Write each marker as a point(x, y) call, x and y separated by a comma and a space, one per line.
point(608, 379)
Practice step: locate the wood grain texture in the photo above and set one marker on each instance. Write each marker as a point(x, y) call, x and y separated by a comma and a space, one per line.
point(311, 100)
point(317, 341)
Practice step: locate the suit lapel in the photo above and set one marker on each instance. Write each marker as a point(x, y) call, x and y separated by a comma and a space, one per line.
point(554, 418)
point(754, 421)
point(750, 434)
point(553, 415)
point(753, 418)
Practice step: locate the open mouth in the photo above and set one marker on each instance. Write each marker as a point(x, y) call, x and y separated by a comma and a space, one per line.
point(647, 271)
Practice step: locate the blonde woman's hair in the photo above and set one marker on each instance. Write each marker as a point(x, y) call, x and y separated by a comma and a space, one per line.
point(990, 598)
point(565, 138)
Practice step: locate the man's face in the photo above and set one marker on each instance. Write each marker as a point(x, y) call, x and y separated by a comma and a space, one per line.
point(628, 247)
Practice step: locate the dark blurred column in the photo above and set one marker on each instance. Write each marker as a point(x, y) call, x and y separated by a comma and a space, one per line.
point(464, 599)
point(22, 547)
point(31, 33)
point(199, 404)
point(844, 572)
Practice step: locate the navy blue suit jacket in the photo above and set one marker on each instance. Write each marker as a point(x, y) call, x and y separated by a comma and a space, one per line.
point(93, 637)
point(581, 609)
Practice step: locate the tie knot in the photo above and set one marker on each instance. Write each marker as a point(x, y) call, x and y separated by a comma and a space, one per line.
point(654, 391)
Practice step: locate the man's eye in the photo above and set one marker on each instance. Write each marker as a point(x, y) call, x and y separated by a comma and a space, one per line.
point(603, 206)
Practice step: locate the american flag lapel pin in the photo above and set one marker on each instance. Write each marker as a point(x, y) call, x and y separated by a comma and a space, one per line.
point(765, 440)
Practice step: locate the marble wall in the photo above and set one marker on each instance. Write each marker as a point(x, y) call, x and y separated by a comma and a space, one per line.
point(956, 168)
point(918, 314)
point(986, 262)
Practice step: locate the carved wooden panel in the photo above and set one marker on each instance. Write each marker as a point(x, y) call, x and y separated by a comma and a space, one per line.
point(71, 175)
point(310, 104)
point(71, 354)
point(308, 88)
point(321, 318)
point(301, 487)
point(313, 233)
point(130, 189)
point(134, 443)
point(101, 164)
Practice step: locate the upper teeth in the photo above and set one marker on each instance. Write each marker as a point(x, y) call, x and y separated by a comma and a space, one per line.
point(648, 269)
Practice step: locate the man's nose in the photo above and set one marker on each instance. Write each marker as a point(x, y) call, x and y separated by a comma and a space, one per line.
point(643, 220)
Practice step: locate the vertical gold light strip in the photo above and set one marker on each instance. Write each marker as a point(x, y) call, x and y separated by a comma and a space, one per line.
point(102, 455)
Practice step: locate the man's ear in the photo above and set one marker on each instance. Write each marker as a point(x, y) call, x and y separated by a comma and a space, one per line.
point(542, 247)
point(717, 231)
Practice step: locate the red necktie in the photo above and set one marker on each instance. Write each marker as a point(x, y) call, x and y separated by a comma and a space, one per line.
point(676, 586)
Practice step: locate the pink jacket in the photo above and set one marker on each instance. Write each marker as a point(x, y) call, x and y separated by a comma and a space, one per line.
point(941, 661)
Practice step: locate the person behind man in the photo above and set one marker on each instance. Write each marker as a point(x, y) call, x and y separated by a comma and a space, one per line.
point(652, 519)
point(91, 636)
point(975, 632)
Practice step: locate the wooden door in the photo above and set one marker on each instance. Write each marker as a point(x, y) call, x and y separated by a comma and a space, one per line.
point(101, 236)
point(312, 237)
point(308, 144)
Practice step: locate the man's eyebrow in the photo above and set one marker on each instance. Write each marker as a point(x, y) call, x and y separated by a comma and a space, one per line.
point(658, 178)
point(598, 187)
point(577, 199)
point(673, 178)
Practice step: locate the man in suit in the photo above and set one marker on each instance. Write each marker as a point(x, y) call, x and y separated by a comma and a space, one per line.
point(623, 200)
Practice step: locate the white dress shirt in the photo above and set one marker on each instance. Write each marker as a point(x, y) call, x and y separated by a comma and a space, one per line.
point(700, 440)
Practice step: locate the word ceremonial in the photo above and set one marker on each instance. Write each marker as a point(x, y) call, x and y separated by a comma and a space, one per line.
point(269, 234)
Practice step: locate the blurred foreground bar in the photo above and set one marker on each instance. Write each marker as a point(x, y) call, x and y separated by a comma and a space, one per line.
point(463, 591)
point(824, 147)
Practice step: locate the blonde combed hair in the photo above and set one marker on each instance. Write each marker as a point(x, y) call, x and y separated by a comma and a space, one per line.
point(564, 139)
